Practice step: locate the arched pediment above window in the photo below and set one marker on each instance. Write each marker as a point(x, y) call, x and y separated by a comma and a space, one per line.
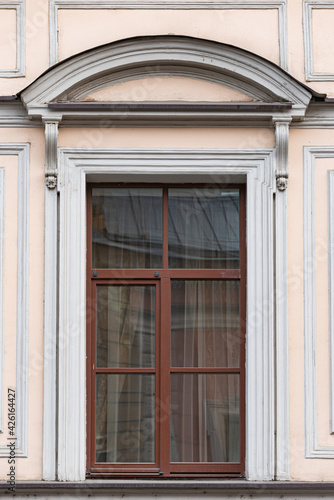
point(68, 88)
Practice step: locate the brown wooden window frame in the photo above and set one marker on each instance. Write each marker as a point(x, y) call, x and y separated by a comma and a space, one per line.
point(163, 467)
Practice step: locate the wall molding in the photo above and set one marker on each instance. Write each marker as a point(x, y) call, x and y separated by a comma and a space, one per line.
point(13, 114)
point(331, 293)
point(318, 116)
point(310, 74)
point(145, 56)
point(312, 447)
point(2, 320)
point(75, 167)
point(281, 294)
point(280, 5)
point(50, 303)
point(22, 151)
point(19, 6)
point(141, 489)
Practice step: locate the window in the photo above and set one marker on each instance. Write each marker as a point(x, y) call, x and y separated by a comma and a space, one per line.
point(166, 297)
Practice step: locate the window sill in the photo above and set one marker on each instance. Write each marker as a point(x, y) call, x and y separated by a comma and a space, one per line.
point(173, 485)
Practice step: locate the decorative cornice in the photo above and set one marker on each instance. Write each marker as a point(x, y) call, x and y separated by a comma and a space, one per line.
point(319, 115)
point(153, 56)
point(14, 114)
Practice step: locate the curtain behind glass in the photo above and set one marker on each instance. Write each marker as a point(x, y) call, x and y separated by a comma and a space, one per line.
point(125, 402)
point(205, 323)
point(205, 419)
point(205, 333)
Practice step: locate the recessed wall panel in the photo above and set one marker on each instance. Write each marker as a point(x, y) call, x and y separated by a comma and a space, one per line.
point(9, 283)
point(323, 165)
point(323, 40)
point(256, 30)
point(8, 39)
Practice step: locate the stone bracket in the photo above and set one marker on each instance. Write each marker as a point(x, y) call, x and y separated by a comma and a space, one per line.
point(51, 145)
point(282, 125)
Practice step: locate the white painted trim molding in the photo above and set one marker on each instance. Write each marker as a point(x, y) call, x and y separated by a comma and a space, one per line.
point(145, 56)
point(14, 115)
point(22, 151)
point(18, 38)
point(76, 167)
point(308, 7)
point(282, 306)
point(331, 293)
point(50, 302)
point(2, 319)
point(312, 447)
point(279, 5)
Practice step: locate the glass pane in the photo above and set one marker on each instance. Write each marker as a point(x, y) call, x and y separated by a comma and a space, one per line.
point(205, 418)
point(205, 323)
point(125, 418)
point(127, 228)
point(203, 228)
point(125, 326)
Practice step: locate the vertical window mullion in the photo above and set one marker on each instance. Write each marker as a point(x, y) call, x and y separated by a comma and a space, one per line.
point(243, 310)
point(90, 336)
point(164, 403)
point(165, 229)
point(157, 372)
point(165, 297)
point(93, 371)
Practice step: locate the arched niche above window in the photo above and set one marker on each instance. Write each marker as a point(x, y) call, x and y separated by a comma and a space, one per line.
point(166, 89)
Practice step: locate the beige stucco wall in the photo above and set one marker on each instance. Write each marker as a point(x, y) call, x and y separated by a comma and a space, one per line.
point(31, 467)
point(301, 468)
point(166, 138)
point(261, 30)
point(162, 88)
point(256, 30)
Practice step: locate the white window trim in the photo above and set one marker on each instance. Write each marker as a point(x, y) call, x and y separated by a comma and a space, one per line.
point(258, 167)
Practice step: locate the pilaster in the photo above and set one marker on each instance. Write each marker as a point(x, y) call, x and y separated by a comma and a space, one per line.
point(50, 301)
point(281, 294)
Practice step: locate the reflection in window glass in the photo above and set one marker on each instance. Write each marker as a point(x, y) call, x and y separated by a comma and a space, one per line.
point(205, 417)
point(125, 326)
point(203, 228)
point(127, 228)
point(205, 323)
point(125, 418)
